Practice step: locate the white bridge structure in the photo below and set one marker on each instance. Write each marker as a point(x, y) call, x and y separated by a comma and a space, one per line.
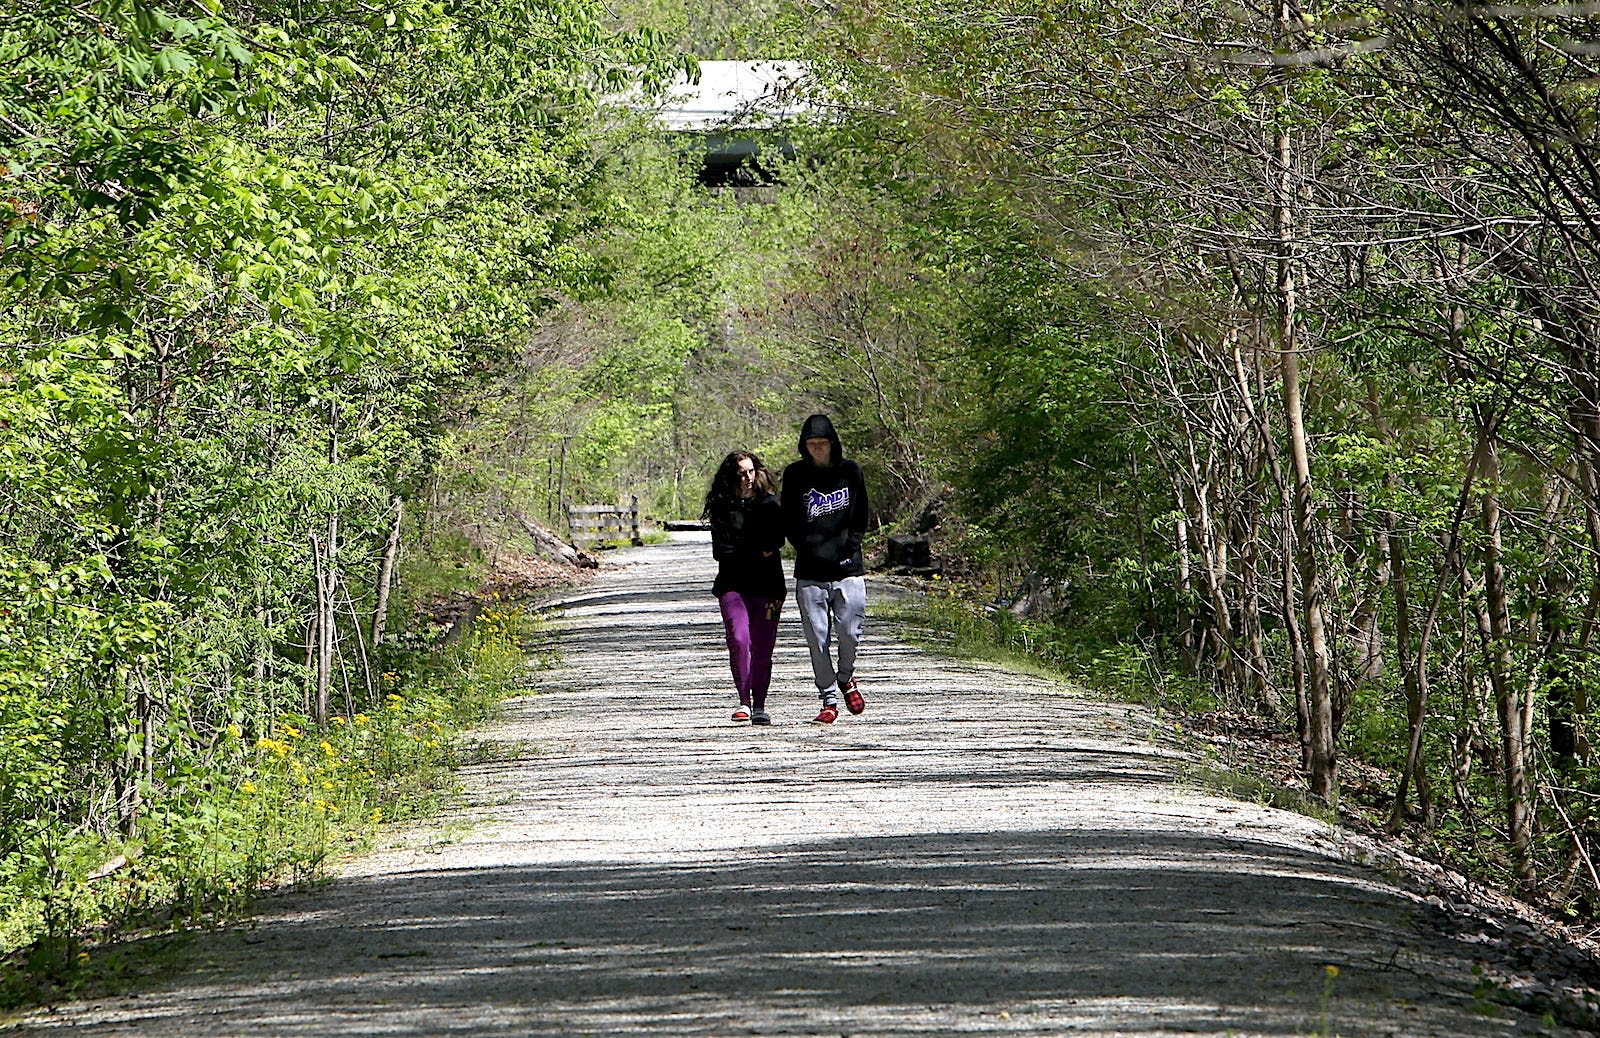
point(736, 108)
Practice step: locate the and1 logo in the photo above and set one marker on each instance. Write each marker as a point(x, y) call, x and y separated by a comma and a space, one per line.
point(818, 503)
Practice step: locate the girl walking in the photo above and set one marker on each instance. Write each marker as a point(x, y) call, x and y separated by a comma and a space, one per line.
point(746, 536)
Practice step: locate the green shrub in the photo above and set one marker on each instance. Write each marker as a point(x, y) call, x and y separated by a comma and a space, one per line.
point(257, 810)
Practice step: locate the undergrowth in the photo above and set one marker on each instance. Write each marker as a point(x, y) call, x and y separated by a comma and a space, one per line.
point(1255, 758)
point(264, 809)
point(947, 615)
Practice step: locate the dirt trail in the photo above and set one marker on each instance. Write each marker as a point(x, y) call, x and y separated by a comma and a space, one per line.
point(979, 853)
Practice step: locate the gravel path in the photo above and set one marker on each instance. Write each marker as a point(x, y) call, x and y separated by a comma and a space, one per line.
point(979, 853)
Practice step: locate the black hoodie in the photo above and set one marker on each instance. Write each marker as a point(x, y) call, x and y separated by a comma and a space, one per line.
point(824, 509)
point(746, 534)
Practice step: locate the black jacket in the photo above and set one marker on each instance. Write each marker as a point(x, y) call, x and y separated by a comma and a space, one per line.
point(825, 510)
point(740, 533)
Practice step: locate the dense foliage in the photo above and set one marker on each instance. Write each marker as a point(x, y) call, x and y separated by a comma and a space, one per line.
point(257, 260)
point(1242, 353)
point(1273, 352)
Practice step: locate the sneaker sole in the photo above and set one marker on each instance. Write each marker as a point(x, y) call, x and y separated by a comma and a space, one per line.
point(854, 703)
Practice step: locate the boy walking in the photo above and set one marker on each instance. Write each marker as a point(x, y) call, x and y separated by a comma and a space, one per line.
point(824, 506)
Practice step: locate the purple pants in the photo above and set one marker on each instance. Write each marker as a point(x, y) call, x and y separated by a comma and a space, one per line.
point(751, 623)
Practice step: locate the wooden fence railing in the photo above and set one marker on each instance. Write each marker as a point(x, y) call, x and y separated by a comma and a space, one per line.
point(589, 523)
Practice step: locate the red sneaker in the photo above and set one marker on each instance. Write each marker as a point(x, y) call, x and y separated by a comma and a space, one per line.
point(852, 697)
point(828, 716)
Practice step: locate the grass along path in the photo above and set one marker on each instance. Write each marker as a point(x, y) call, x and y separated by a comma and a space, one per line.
point(979, 853)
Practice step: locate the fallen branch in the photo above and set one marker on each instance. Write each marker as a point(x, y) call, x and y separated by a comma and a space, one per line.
point(553, 547)
point(115, 864)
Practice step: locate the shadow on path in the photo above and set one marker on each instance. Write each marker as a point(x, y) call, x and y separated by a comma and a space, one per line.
point(1100, 931)
point(980, 853)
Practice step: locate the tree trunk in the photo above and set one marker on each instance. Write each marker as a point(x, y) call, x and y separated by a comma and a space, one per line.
point(327, 572)
point(1589, 484)
point(1549, 625)
point(1414, 677)
point(322, 627)
point(1366, 636)
point(1188, 643)
point(141, 769)
point(391, 552)
point(1258, 671)
point(1321, 748)
point(1212, 546)
point(1261, 460)
point(1287, 582)
point(1496, 614)
point(1414, 666)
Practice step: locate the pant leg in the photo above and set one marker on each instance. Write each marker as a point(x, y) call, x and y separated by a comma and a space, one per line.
point(764, 614)
point(816, 620)
point(849, 605)
point(736, 626)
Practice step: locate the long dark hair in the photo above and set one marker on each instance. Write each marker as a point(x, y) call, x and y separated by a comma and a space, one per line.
point(725, 484)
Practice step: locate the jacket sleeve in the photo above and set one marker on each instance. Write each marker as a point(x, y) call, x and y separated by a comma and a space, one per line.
point(858, 511)
point(789, 521)
point(724, 534)
point(771, 527)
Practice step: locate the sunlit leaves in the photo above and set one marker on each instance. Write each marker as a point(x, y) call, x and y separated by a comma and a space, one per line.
point(251, 269)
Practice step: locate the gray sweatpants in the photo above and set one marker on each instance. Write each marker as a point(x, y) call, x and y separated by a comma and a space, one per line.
point(828, 609)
